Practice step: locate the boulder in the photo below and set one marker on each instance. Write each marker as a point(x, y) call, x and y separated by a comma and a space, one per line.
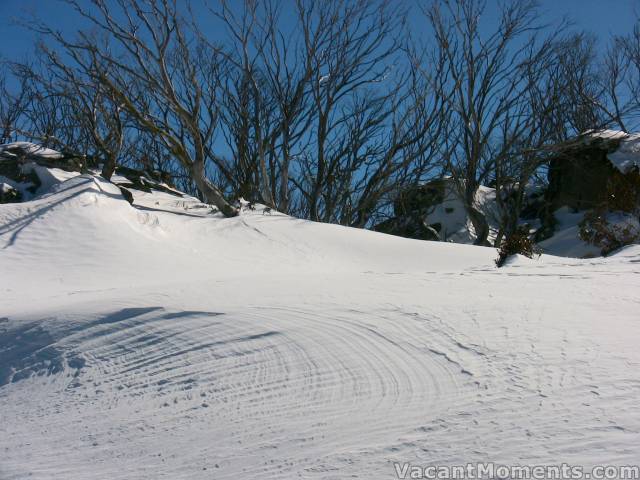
point(587, 174)
point(146, 180)
point(421, 198)
point(8, 194)
point(410, 226)
point(26, 152)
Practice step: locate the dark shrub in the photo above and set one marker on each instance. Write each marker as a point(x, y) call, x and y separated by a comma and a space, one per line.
point(610, 230)
point(517, 242)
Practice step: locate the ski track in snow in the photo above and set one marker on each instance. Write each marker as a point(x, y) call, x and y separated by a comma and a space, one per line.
point(283, 360)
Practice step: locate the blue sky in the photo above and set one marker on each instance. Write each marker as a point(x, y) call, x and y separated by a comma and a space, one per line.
point(603, 17)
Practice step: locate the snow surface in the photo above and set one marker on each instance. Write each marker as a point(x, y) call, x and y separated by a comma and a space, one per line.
point(566, 241)
point(163, 342)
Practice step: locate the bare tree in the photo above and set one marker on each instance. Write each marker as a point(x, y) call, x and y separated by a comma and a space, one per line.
point(13, 103)
point(325, 90)
point(48, 116)
point(328, 111)
point(485, 89)
point(626, 83)
point(94, 123)
point(268, 107)
point(351, 49)
point(149, 46)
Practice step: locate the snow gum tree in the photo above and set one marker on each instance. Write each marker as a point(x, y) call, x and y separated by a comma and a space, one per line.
point(489, 73)
point(149, 59)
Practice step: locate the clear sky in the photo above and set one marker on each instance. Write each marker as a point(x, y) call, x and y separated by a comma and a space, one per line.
point(603, 17)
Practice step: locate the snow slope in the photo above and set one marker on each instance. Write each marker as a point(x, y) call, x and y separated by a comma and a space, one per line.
point(164, 342)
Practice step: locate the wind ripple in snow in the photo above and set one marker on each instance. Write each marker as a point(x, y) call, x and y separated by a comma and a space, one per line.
point(280, 377)
point(322, 392)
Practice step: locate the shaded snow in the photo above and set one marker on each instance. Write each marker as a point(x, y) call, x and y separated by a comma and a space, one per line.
point(162, 341)
point(566, 240)
point(48, 176)
point(6, 185)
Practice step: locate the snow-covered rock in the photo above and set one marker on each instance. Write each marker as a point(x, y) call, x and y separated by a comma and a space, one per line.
point(627, 154)
point(455, 225)
point(8, 192)
point(27, 148)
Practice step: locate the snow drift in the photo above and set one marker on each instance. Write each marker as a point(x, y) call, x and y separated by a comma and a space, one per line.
point(162, 341)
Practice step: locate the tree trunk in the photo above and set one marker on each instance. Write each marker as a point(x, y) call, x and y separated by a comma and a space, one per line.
point(109, 167)
point(284, 174)
point(211, 194)
point(265, 189)
point(480, 225)
point(499, 237)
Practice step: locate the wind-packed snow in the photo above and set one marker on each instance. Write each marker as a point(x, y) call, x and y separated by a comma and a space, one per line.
point(606, 134)
point(161, 341)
